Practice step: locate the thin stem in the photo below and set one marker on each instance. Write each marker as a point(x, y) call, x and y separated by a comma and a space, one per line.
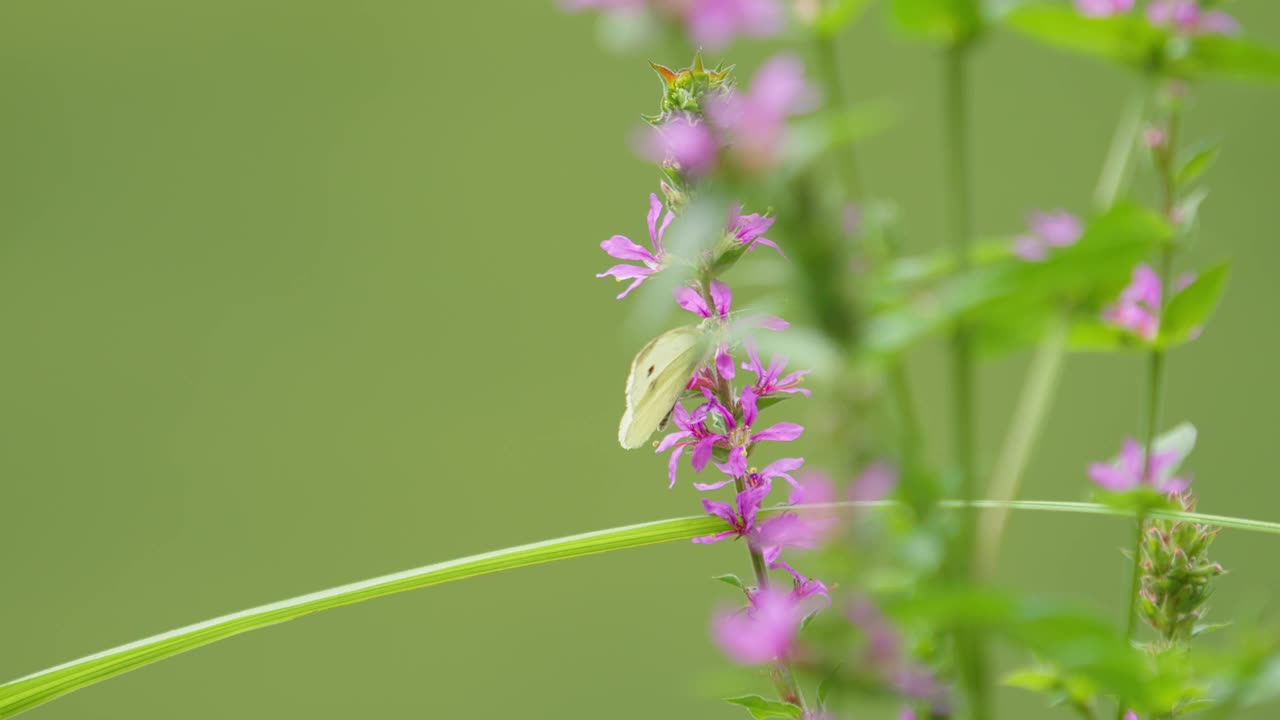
point(783, 679)
point(1045, 372)
point(1028, 418)
point(1166, 163)
point(833, 86)
point(969, 644)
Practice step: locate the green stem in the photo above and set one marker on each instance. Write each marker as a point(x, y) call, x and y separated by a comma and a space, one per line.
point(833, 86)
point(1028, 418)
point(783, 679)
point(969, 644)
point(1166, 164)
point(1045, 373)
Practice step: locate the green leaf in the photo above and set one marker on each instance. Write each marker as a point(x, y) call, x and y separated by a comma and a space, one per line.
point(1191, 307)
point(761, 708)
point(1034, 679)
point(837, 15)
point(1193, 168)
point(824, 687)
point(1126, 39)
point(945, 20)
point(731, 579)
point(1010, 298)
point(28, 692)
point(1229, 57)
point(1090, 334)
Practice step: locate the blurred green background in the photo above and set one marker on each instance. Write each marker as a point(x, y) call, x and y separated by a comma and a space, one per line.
point(294, 293)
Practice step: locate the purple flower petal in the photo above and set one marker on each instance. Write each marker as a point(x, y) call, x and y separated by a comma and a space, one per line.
point(691, 300)
point(782, 432)
point(621, 247)
point(722, 297)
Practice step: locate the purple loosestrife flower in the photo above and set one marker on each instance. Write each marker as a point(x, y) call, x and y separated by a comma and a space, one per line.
point(722, 302)
point(1103, 8)
point(1058, 228)
point(691, 430)
point(770, 381)
point(1188, 18)
point(683, 143)
point(621, 247)
point(739, 434)
point(750, 229)
point(741, 515)
point(755, 478)
point(875, 482)
point(1130, 715)
point(1126, 472)
point(715, 23)
point(754, 121)
point(764, 631)
point(1138, 308)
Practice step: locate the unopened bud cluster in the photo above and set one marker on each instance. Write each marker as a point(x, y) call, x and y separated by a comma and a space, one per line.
point(1176, 571)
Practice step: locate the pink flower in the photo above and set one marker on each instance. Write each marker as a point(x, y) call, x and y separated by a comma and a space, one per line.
point(739, 434)
point(741, 516)
point(621, 247)
point(1130, 715)
point(1187, 17)
point(906, 713)
point(764, 631)
point(691, 430)
point(755, 478)
point(1138, 308)
point(683, 143)
point(715, 23)
point(1126, 473)
point(1103, 8)
point(750, 229)
point(754, 121)
point(771, 380)
point(875, 482)
point(1047, 229)
point(722, 301)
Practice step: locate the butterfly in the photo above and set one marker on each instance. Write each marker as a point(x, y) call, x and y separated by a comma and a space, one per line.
point(659, 374)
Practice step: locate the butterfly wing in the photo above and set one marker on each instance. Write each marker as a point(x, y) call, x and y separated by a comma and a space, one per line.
point(659, 374)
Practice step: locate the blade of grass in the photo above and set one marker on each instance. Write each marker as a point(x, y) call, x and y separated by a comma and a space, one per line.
point(33, 690)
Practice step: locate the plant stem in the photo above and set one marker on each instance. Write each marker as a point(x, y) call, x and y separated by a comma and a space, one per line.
point(1044, 375)
point(783, 679)
point(1166, 164)
point(1028, 418)
point(829, 67)
point(969, 644)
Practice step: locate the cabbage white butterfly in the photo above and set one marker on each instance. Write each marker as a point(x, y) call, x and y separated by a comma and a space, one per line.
point(659, 374)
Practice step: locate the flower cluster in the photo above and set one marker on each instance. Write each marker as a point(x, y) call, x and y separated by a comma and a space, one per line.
point(1138, 307)
point(1176, 571)
point(1046, 230)
point(745, 129)
point(708, 23)
point(1185, 17)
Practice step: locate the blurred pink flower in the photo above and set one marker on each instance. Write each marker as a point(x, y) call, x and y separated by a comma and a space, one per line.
point(875, 482)
point(754, 121)
point(1138, 308)
point(1187, 17)
point(1103, 8)
point(715, 23)
point(621, 247)
point(762, 632)
point(683, 143)
point(1127, 472)
point(1058, 228)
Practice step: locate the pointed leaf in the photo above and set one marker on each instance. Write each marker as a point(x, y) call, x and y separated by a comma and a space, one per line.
point(762, 709)
point(1190, 309)
point(1193, 168)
